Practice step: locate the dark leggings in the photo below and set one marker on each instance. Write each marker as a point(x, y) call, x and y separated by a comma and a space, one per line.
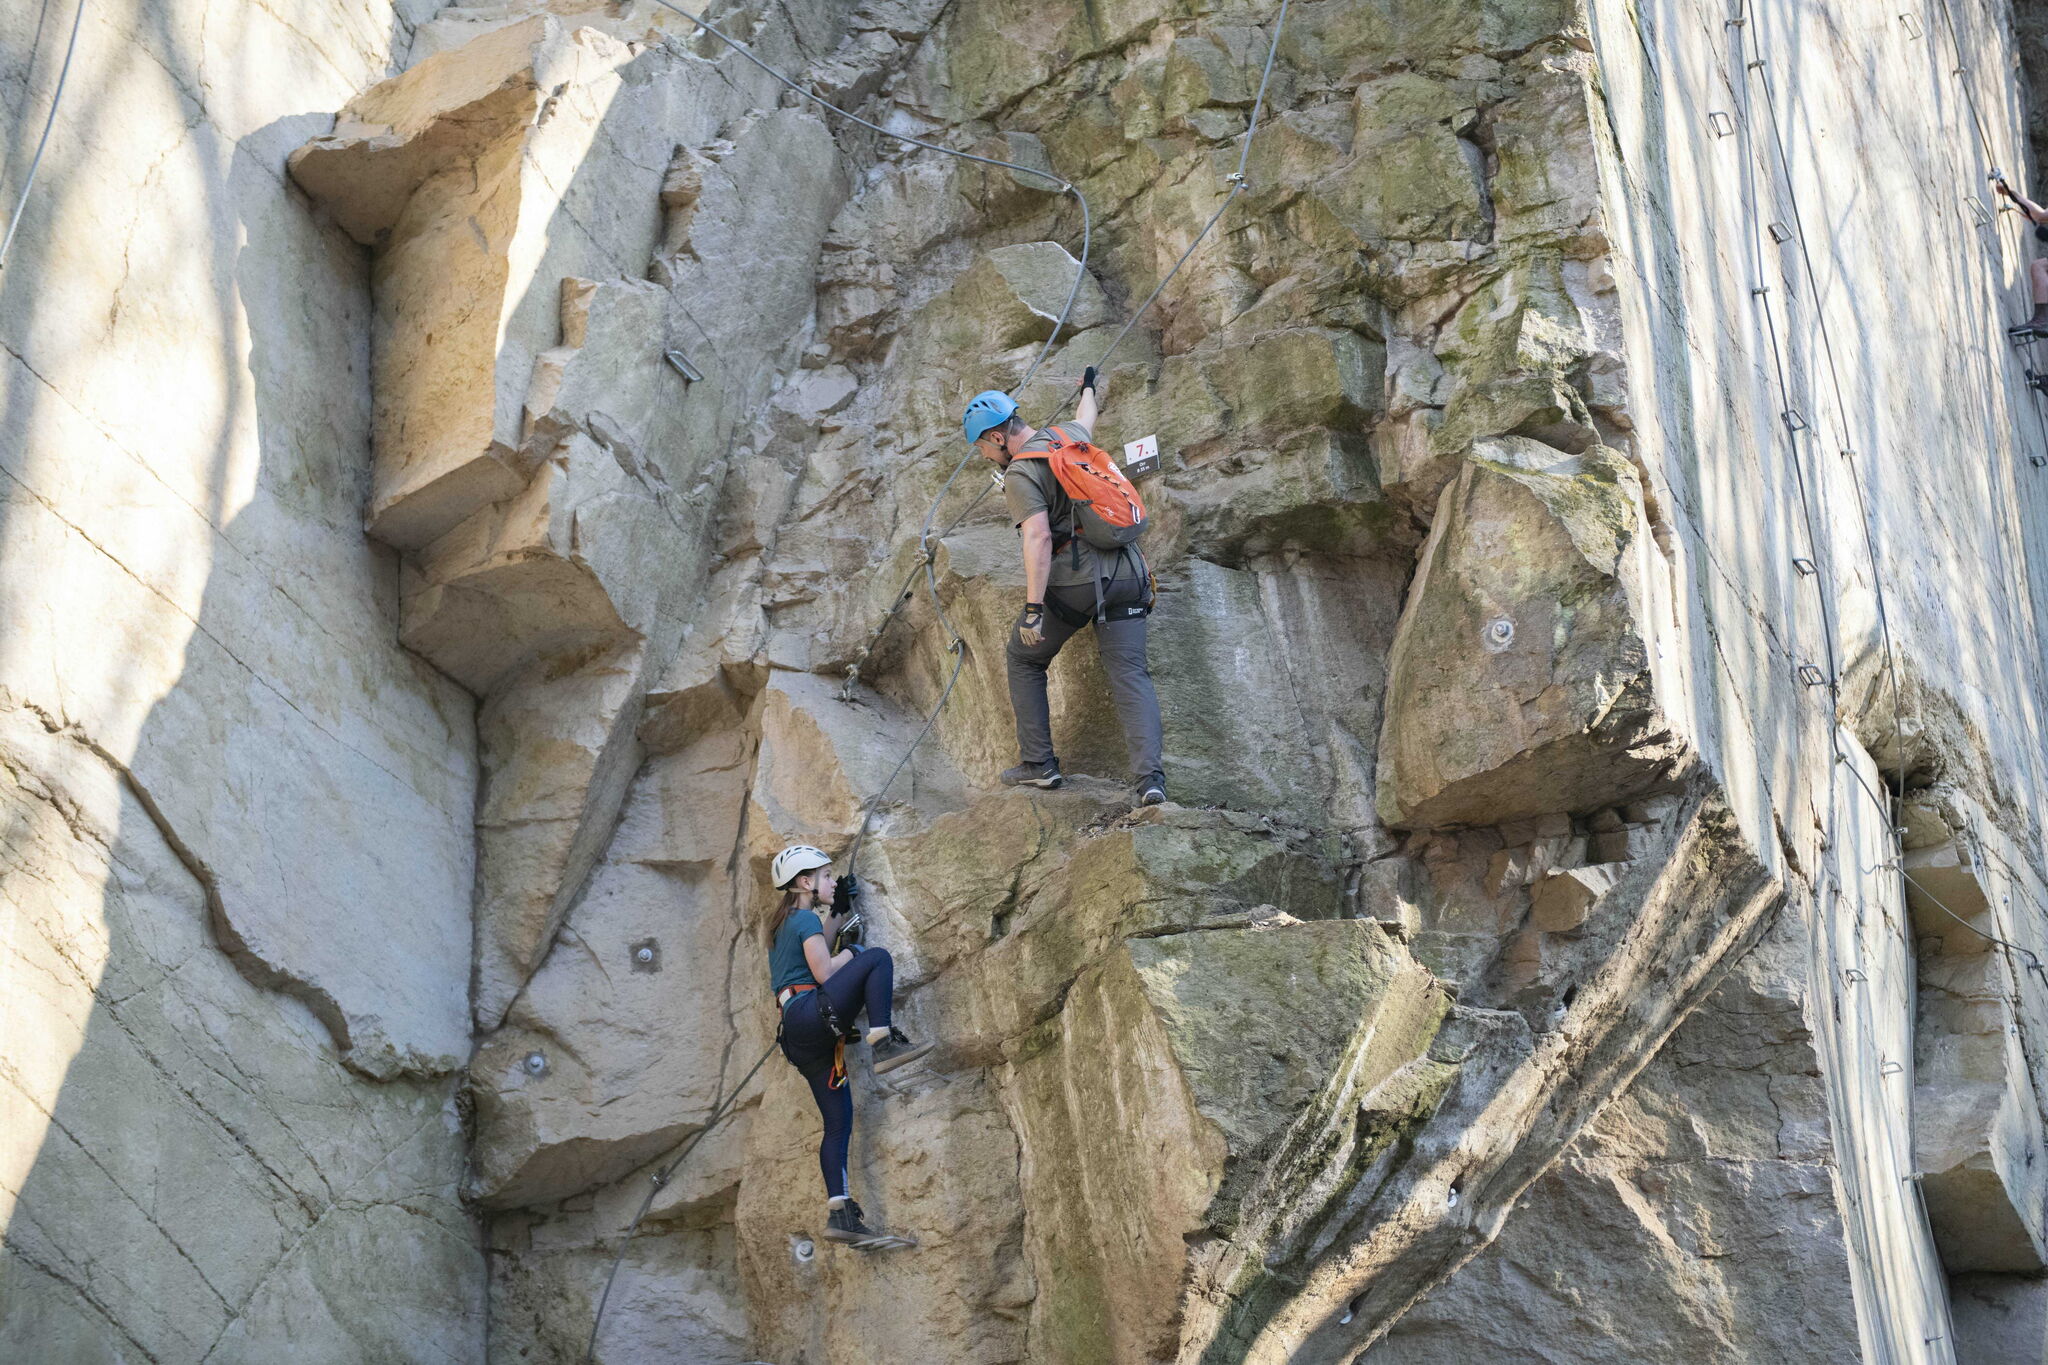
point(866, 982)
point(835, 1104)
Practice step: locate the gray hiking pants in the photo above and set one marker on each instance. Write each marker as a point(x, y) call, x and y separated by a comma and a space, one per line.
point(1122, 647)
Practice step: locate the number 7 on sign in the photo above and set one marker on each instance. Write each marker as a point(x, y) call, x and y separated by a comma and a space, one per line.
point(1141, 456)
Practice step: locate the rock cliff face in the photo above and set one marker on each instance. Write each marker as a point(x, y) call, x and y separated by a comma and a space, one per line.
point(1593, 918)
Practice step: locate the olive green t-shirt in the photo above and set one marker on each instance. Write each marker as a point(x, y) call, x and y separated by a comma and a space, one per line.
point(1029, 487)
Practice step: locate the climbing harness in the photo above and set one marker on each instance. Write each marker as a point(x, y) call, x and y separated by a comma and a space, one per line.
point(43, 143)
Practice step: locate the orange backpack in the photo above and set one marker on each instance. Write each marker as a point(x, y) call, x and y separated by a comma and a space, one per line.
point(1107, 511)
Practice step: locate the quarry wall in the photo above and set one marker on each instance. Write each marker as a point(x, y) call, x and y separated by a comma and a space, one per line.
point(458, 462)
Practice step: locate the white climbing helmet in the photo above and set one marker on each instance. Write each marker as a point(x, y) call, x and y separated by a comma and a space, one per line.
point(793, 862)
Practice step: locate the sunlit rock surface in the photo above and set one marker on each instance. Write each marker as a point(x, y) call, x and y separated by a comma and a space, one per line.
point(459, 463)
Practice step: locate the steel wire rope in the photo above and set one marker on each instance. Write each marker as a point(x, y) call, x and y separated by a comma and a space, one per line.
point(1066, 309)
point(925, 537)
point(43, 143)
point(1989, 152)
point(2034, 963)
point(1889, 807)
point(1760, 290)
point(658, 1181)
point(723, 1107)
point(1885, 804)
point(956, 645)
point(2036, 399)
point(1237, 186)
point(1955, 40)
point(927, 554)
point(1841, 417)
point(1064, 185)
point(1882, 804)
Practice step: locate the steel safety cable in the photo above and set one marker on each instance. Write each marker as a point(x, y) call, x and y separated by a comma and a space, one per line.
point(1237, 187)
point(1760, 291)
point(724, 1106)
point(657, 1181)
point(926, 542)
point(1882, 803)
point(2034, 963)
point(1064, 186)
point(1061, 183)
point(2036, 399)
point(1827, 341)
point(1962, 68)
point(28, 182)
point(1889, 808)
point(925, 537)
point(1841, 418)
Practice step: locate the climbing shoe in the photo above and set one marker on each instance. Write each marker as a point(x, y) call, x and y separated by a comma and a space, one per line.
point(896, 1050)
point(1152, 791)
point(1046, 775)
point(845, 1224)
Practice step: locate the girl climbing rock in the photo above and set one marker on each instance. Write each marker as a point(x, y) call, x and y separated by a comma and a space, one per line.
point(821, 994)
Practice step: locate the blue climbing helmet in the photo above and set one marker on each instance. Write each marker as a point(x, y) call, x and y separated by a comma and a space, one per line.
point(985, 411)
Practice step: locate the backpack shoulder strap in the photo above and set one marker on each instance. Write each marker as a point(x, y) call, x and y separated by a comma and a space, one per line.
point(1059, 503)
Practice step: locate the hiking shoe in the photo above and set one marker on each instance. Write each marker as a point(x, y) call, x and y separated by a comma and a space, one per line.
point(896, 1050)
point(1045, 775)
point(846, 1224)
point(1152, 791)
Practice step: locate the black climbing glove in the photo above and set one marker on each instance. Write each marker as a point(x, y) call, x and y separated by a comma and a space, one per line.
point(1031, 625)
point(851, 931)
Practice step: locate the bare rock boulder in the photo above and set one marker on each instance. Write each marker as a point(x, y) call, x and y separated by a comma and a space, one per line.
point(1520, 679)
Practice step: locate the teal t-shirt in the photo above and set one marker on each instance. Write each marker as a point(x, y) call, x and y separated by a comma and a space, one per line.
point(786, 963)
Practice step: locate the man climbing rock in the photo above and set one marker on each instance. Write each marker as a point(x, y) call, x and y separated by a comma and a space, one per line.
point(1082, 566)
point(822, 981)
point(2037, 325)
